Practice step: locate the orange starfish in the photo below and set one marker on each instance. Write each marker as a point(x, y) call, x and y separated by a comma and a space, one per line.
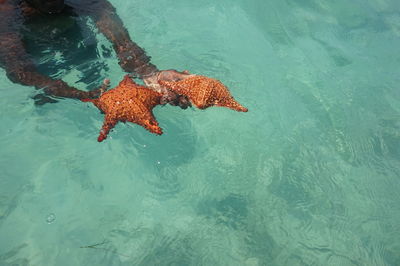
point(128, 102)
point(204, 92)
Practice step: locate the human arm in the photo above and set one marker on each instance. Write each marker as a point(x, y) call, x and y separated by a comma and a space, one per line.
point(133, 58)
point(17, 63)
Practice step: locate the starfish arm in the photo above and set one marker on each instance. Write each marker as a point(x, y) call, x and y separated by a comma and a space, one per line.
point(108, 124)
point(151, 125)
point(232, 104)
point(142, 114)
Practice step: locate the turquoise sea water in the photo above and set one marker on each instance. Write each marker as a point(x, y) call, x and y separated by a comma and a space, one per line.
point(309, 176)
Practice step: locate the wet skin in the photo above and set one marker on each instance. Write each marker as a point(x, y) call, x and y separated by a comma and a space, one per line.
point(15, 59)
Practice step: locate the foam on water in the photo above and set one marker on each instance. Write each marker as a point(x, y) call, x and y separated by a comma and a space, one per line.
point(309, 176)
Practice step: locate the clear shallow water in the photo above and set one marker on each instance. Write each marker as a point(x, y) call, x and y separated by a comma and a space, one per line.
point(309, 176)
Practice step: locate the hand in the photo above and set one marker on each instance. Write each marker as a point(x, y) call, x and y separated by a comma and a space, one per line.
point(173, 75)
point(169, 96)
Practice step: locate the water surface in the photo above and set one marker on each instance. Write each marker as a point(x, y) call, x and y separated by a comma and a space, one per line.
point(309, 176)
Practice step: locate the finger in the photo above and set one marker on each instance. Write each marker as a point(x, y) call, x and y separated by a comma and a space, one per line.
point(184, 103)
point(106, 82)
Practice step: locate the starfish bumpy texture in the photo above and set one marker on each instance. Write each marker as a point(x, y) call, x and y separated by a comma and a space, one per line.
point(128, 102)
point(204, 92)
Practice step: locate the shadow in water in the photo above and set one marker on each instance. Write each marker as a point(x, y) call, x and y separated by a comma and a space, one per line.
point(230, 211)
